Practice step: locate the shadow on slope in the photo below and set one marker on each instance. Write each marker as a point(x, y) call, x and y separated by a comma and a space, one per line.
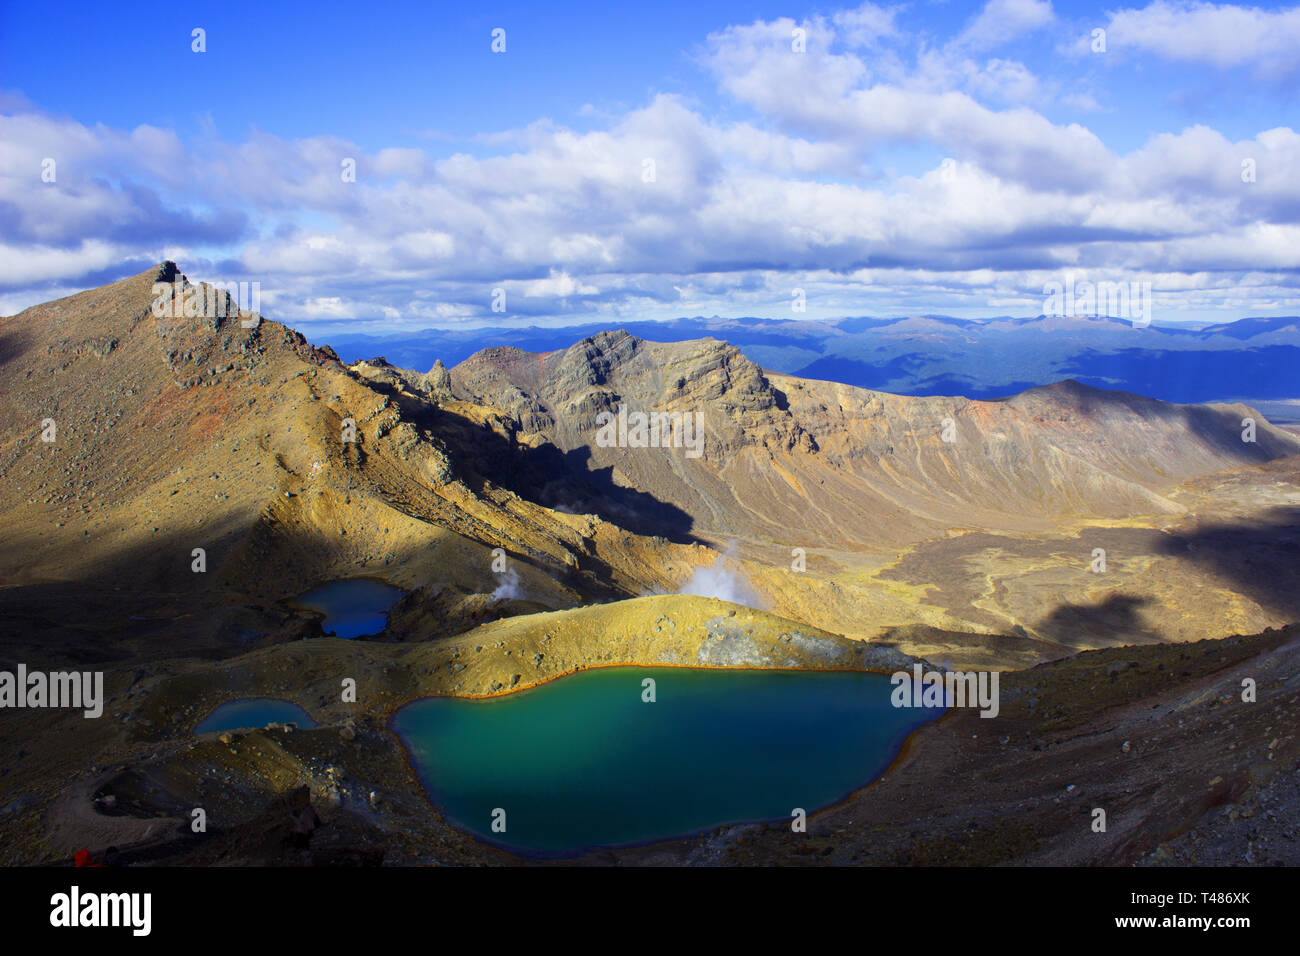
point(142, 602)
point(544, 474)
point(1114, 622)
point(1260, 559)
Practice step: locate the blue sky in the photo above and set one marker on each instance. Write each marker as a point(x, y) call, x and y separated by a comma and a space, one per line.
point(921, 157)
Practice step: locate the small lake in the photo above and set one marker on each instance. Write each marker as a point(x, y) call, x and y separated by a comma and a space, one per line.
point(252, 713)
point(583, 761)
point(353, 607)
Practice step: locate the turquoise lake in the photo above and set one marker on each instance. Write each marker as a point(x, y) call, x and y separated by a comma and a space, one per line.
point(583, 761)
point(253, 712)
point(352, 607)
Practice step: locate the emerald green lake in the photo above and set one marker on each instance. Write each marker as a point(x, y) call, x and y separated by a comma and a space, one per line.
point(583, 761)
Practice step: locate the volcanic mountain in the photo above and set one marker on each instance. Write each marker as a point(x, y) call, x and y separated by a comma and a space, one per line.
point(874, 515)
point(171, 435)
point(910, 520)
point(815, 464)
point(172, 475)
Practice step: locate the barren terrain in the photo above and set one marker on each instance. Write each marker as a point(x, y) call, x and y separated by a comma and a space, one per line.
point(231, 435)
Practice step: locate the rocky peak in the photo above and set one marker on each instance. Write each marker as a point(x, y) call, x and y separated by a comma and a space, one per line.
point(438, 380)
point(590, 362)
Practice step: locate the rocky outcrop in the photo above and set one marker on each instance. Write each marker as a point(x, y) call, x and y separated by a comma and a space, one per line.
point(890, 469)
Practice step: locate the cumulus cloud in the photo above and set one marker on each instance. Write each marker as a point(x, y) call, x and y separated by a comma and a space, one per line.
point(1216, 35)
point(667, 209)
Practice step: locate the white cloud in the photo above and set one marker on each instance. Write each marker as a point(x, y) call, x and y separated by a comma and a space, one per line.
point(738, 211)
point(867, 25)
point(559, 285)
point(31, 264)
point(832, 97)
point(1001, 21)
point(1218, 35)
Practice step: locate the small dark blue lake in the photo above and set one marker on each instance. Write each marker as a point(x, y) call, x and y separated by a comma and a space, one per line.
point(353, 607)
point(253, 712)
point(583, 761)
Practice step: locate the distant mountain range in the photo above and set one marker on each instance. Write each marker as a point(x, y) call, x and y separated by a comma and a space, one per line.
point(1252, 359)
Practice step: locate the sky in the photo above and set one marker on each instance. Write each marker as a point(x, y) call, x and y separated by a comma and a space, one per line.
point(381, 167)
